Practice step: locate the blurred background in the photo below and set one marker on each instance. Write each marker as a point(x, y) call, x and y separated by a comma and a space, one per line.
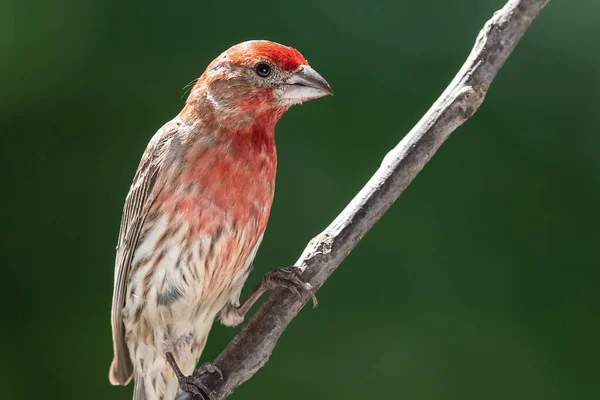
point(480, 282)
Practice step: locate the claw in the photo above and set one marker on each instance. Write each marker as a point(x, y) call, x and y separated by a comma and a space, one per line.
point(208, 368)
point(194, 384)
point(291, 279)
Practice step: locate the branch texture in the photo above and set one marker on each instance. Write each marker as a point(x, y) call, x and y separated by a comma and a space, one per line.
point(251, 348)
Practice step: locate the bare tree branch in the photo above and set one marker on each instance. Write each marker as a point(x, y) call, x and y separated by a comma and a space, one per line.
point(251, 348)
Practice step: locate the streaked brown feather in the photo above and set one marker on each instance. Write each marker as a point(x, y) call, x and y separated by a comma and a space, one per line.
point(145, 188)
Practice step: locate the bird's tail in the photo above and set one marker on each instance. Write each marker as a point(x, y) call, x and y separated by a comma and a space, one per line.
point(160, 387)
point(154, 378)
point(139, 390)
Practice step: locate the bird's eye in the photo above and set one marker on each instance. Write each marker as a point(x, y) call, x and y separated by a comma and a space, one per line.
point(263, 69)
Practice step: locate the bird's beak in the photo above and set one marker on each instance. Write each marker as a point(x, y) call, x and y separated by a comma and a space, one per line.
point(305, 84)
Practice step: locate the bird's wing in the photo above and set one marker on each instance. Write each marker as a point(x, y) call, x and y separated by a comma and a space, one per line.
point(154, 170)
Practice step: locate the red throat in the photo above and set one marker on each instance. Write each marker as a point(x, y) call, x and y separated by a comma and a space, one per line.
point(234, 177)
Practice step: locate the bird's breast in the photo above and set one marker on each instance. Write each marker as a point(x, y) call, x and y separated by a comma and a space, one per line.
point(223, 201)
point(220, 185)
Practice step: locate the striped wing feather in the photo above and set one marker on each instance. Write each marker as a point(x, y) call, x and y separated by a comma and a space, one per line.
point(147, 183)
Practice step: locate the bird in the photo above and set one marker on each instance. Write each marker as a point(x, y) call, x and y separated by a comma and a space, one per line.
point(196, 213)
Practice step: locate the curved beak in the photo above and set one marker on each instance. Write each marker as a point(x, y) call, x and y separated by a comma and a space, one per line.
point(305, 84)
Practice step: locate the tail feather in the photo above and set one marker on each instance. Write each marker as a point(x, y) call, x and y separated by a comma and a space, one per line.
point(156, 382)
point(139, 391)
point(121, 372)
point(154, 377)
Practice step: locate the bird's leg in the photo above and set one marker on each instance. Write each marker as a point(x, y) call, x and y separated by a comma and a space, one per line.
point(194, 384)
point(289, 278)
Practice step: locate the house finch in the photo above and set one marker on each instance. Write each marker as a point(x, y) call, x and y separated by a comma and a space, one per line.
point(196, 213)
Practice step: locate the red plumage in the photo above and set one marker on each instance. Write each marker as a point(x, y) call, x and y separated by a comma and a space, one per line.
point(197, 210)
point(284, 57)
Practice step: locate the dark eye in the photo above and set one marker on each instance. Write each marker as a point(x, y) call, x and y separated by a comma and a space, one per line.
point(263, 69)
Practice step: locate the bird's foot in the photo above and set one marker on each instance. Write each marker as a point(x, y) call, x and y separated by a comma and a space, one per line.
point(291, 279)
point(195, 384)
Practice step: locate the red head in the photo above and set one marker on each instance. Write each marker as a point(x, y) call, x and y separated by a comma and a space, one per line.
point(254, 79)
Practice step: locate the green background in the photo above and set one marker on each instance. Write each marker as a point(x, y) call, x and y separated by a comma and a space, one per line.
point(481, 282)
